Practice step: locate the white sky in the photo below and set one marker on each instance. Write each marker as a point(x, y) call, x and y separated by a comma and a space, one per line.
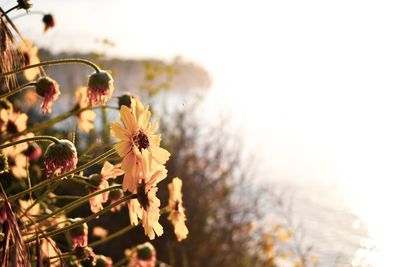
point(317, 82)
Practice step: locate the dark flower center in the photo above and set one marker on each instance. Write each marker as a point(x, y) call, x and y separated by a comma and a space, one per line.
point(11, 127)
point(142, 195)
point(141, 140)
point(178, 207)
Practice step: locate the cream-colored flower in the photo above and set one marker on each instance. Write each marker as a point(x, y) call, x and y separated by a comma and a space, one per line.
point(86, 117)
point(147, 206)
point(137, 135)
point(176, 210)
point(30, 56)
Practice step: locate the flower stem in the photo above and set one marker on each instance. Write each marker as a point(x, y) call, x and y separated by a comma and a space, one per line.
point(51, 180)
point(74, 204)
point(35, 138)
point(11, 9)
point(112, 236)
point(19, 89)
point(85, 220)
point(54, 62)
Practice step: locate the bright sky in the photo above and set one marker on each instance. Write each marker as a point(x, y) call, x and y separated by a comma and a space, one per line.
point(316, 82)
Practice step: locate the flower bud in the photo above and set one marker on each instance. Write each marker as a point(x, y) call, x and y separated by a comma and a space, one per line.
point(60, 157)
point(79, 234)
point(48, 21)
point(126, 100)
point(49, 90)
point(100, 88)
point(145, 251)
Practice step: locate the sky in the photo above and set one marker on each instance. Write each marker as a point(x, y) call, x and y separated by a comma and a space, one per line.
point(315, 83)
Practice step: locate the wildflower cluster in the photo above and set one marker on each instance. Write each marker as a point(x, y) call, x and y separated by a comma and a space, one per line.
point(35, 200)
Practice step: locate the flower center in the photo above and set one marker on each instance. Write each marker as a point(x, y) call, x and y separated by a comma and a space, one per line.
point(178, 207)
point(12, 127)
point(142, 196)
point(141, 140)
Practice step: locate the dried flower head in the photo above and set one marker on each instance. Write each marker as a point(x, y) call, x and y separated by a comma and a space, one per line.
point(49, 90)
point(48, 21)
point(100, 88)
point(79, 234)
point(60, 157)
point(143, 255)
point(24, 4)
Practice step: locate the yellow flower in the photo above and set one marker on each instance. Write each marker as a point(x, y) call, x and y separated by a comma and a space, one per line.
point(85, 118)
point(30, 56)
point(147, 206)
point(176, 211)
point(137, 135)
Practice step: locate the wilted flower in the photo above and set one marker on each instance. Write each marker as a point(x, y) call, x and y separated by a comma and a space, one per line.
point(137, 136)
point(49, 90)
point(143, 255)
point(100, 88)
point(48, 21)
point(147, 206)
point(100, 181)
point(176, 211)
point(24, 4)
point(30, 57)
point(60, 157)
point(79, 234)
point(86, 117)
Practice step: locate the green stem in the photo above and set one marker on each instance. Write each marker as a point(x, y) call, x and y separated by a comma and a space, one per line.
point(74, 204)
point(54, 62)
point(85, 220)
point(29, 13)
point(19, 89)
point(35, 138)
point(112, 236)
point(48, 181)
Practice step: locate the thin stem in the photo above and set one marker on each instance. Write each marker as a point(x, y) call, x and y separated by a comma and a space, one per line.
point(29, 13)
point(19, 89)
point(85, 220)
point(48, 181)
point(54, 62)
point(75, 204)
point(35, 138)
point(11, 9)
point(55, 120)
point(112, 236)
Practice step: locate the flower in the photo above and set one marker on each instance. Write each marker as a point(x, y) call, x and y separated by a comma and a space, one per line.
point(137, 136)
point(103, 261)
point(100, 88)
point(79, 234)
point(100, 232)
point(86, 117)
point(30, 57)
point(176, 211)
point(60, 157)
point(49, 90)
point(48, 21)
point(147, 206)
point(33, 152)
point(143, 255)
point(24, 4)
point(100, 181)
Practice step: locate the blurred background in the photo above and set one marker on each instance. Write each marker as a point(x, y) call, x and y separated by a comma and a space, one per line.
point(296, 100)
